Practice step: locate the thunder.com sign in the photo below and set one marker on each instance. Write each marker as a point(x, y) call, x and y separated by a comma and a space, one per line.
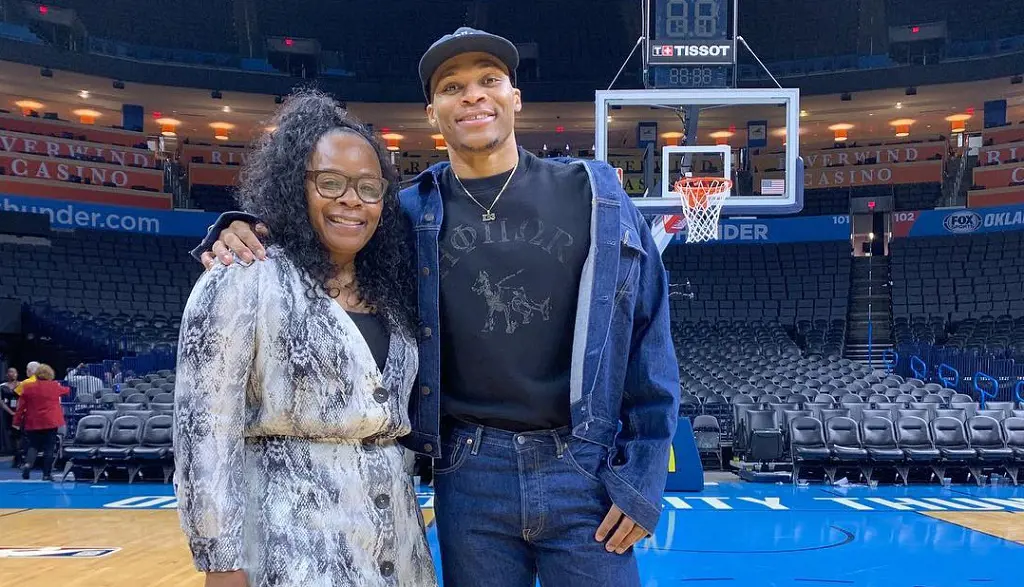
point(694, 53)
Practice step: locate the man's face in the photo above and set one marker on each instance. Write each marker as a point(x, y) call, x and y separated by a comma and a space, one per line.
point(474, 103)
point(12, 374)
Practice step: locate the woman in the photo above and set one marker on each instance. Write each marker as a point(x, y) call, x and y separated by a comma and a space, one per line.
point(294, 374)
point(39, 416)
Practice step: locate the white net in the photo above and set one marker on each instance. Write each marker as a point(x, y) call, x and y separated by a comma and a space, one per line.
point(702, 199)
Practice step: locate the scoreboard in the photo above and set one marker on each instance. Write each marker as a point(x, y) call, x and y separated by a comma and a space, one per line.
point(692, 77)
point(693, 44)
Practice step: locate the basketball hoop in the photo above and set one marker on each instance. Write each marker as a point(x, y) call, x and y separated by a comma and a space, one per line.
point(702, 199)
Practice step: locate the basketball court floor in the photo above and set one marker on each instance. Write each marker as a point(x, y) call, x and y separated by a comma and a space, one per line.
point(732, 533)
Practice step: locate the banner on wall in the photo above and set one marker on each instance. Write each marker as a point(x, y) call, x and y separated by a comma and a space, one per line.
point(213, 154)
point(53, 169)
point(646, 134)
point(1004, 134)
point(223, 175)
point(757, 133)
point(14, 142)
point(999, 176)
point(86, 132)
point(769, 230)
point(1008, 196)
point(957, 221)
point(81, 192)
point(1000, 154)
point(78, 215)
point(856, 175)
point(995, 113)
point(856, 156)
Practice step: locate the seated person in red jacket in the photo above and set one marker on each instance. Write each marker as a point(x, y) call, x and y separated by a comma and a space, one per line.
point(39, 416)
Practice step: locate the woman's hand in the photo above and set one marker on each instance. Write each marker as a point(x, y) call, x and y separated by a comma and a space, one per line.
point(229, 579)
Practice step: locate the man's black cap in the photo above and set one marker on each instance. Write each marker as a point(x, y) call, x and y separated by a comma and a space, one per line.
point(467, 40)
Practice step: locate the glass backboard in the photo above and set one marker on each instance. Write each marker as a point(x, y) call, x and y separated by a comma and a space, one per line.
point(750, 136)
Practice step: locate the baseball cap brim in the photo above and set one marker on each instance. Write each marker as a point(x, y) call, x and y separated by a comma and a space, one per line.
point(468, 42)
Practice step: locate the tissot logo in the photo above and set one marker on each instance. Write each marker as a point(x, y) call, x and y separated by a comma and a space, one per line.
point(708, 52)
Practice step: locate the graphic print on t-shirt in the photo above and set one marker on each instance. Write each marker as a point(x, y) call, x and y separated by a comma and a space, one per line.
point(516, 280)
point(508, 293)
point(508, 301)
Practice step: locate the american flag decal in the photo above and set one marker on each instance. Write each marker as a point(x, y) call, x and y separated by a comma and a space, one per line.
point(773, 187)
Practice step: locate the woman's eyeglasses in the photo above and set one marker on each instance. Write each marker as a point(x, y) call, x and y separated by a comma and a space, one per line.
point(333, 185)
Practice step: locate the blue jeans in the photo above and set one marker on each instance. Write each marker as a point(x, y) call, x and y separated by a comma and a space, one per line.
point(512, 507)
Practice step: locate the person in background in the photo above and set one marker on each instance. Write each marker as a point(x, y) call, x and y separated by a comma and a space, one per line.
point(9, 437)
point(114, 376)
point(30, 371)
point(83, 381)
point(22, 446)
point(39, 415)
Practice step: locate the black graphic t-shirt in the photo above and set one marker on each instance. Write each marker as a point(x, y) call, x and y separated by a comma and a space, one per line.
point(508, 293)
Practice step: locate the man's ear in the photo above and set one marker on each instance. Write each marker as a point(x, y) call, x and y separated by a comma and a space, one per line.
point(431, 115)
point(517, 99)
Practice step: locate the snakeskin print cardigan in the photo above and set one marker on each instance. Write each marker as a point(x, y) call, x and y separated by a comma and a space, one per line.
point(286, 434)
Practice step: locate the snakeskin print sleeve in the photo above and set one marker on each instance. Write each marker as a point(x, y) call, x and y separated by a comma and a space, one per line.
point(215, 356)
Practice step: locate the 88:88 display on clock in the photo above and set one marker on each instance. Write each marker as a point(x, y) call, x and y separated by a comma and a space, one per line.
point(691, 77)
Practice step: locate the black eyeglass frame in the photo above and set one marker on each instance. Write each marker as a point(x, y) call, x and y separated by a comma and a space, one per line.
point(316, 174)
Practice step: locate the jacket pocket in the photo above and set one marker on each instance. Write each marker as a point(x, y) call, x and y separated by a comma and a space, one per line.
point(631, 255)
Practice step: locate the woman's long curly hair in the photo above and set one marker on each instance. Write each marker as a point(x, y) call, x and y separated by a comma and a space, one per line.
point(273, 188)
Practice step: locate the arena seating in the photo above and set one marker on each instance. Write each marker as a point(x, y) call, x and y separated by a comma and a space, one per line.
point(826, 202)
point(184, 24)
point(913, 196)
point(103, 294)
point(958, 277)
point(775, 282)
point(367, 52)
point(957, 301)
point(99, 271)
point(124, 428)
point(752, 385)
point(990, 19)
point(213, 198)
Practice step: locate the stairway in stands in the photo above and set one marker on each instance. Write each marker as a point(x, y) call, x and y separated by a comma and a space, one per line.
point(870, 295)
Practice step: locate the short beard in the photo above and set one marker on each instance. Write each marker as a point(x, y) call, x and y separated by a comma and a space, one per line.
point(486, 148)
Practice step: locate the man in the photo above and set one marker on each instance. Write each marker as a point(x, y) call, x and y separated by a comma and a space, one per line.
point(9, 437)
point(30, 370)
point(20, 441)
point(548, 384)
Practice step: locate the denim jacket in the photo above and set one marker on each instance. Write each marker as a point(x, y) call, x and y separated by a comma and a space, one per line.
point(624, 380)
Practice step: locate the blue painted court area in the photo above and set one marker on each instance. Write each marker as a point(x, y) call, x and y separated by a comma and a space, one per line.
point(751, 534)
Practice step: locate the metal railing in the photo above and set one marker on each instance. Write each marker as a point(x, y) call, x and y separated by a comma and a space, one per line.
point(983, 393)
point(958, 369)
point(953, 198)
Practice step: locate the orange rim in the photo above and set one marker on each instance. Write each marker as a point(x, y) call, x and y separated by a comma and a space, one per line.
point(694, 191)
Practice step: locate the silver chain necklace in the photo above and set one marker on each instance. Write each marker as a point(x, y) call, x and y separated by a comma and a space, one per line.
point(487, 216)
